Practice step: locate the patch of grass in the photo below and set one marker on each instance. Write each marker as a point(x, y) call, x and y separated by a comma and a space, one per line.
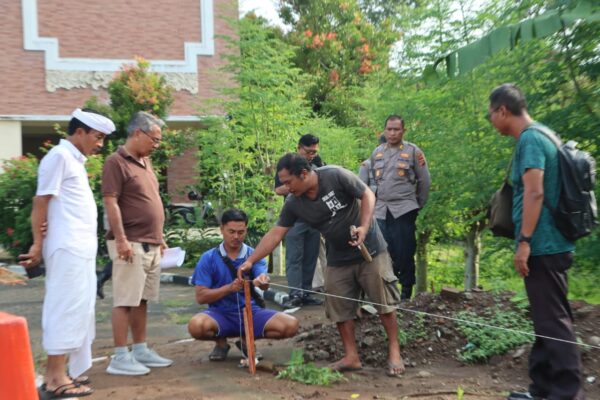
point(584, 285)
point(484, 342)
point(446, 265)
point(39, 360)
point(416, 330)
point(181, 318)
point(308, 373)
point(102, 316)
point(520, 300)
point(178, 303)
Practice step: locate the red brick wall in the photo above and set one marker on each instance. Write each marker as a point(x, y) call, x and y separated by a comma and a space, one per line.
point(159, 27)
point(182, 173)
point(154, 29)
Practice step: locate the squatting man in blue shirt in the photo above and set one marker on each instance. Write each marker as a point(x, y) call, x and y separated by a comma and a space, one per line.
point(217, 285)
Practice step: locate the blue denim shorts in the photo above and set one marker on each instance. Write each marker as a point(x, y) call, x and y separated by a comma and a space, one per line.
point(231, 324)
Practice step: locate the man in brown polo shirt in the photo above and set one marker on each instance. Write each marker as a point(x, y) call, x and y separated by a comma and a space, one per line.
point(135, 242)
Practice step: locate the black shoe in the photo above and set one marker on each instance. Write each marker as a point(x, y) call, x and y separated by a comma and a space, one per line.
point(103, 277)
point(241, 345)
point(522, 396)
point(292, 302)
point(311, 301)
point(100, 291)
point(406, 292)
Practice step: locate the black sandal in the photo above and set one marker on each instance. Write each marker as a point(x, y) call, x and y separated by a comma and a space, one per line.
point(81, 380)
point(219, 353)
point(241, 345)
point(61, 392)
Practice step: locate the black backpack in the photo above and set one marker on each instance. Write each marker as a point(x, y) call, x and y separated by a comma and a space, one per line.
point(576, 212)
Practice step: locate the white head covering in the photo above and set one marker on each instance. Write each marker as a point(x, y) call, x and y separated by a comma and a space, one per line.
point(94, 121)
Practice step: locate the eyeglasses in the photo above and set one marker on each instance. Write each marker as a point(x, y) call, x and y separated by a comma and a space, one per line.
point(155, 140)
point(488, 115)
point(310, 152)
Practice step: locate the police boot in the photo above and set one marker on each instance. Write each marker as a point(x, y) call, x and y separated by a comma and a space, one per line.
point(406, 292)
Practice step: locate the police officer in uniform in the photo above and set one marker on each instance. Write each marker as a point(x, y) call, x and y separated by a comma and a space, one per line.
point(402, 178)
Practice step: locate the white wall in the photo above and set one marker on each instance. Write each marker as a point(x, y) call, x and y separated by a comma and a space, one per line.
point(11, 144)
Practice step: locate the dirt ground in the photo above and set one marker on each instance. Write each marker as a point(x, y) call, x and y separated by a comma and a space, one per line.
point(433, 369)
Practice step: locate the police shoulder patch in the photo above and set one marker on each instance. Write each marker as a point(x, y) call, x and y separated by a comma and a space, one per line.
point(421, 159)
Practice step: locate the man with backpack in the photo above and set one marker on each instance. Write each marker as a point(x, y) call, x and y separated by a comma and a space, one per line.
point(217, 285)
point(543, 254)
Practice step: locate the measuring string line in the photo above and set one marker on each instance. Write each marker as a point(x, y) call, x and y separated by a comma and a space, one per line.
point(442, 317)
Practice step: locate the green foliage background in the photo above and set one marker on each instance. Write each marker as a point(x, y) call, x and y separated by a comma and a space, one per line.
point(285, 86)
point(329, 73)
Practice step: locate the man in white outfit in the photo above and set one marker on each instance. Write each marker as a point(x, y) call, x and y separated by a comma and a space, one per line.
point(65, 201)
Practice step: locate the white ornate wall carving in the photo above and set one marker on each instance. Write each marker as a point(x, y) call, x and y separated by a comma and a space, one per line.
point(100, 79)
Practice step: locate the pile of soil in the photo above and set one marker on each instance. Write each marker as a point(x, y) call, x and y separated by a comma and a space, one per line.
point(434, 337)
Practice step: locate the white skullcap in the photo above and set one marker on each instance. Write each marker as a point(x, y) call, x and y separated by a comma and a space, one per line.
point(94, 121)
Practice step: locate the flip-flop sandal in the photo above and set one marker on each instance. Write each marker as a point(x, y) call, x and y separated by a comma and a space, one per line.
point(391, 368)
point(62, 391)
point(242, 347)
point(219, 353)
point(338, 367)
point(81, 380)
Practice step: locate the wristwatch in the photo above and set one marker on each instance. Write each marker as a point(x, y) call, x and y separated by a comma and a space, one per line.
point(523, 238)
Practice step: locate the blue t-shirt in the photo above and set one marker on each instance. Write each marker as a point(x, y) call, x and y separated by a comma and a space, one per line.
point(535, 150)
point(212, 272)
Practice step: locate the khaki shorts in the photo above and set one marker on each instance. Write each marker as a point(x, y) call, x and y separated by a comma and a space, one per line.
point(138, 280)
point(376, 279)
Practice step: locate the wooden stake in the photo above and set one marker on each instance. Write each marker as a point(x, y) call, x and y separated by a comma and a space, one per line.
point(249, 328)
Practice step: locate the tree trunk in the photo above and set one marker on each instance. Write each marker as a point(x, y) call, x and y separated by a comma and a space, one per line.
point(472, 254)
point(422, 240)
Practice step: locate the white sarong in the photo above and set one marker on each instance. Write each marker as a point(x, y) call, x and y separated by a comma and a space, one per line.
point(68, 316)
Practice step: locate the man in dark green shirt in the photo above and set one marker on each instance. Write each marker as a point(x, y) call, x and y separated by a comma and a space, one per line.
point(543, 255)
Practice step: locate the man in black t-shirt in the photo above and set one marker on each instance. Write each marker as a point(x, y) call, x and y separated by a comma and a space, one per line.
point(331, 199)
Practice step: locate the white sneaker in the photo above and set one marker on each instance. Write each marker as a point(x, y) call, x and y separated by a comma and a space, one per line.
point(150, 358)
point(126, 364)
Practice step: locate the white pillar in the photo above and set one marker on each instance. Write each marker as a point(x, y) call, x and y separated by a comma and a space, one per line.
point(278, 261)
point(11, 144)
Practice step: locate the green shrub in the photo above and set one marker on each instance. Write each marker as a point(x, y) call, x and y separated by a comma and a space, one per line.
point(17, 188)
point(308, 373)
point(415, 330)
point(193, 240)
point(484, 340)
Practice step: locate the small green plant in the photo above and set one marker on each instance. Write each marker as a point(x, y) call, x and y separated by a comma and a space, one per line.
point(308, 373)
point(416, 330)
point(460, 393)
point(486, 341)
